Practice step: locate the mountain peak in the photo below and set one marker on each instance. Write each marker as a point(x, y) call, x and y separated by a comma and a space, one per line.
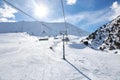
point(106, 37)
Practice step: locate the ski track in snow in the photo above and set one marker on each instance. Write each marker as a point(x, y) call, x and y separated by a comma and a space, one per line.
point(23, 57)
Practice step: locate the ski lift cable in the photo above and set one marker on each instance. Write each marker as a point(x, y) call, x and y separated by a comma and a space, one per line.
point(63, 10)
point(1, 4)
point(46, 25)
point(27, 14)
point(20, 10)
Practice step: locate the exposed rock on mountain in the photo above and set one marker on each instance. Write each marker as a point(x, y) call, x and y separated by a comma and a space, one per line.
point(106, 37)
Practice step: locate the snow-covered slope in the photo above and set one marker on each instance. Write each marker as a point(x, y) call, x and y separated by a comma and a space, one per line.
point(106, 37)
point(24, 57)
point(41, 28)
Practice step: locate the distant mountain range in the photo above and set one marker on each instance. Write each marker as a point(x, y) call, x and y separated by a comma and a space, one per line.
point(106, 37)
point(38, 28)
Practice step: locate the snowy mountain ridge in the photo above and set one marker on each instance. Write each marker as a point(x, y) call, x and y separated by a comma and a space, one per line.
point(106, 37)
point(38, 28)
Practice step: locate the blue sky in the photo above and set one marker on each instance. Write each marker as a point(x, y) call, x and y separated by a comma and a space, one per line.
point(85, 14)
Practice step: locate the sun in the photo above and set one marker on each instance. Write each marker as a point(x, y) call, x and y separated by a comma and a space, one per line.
point(41, 11)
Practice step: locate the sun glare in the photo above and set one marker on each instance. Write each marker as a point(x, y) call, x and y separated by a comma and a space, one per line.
point(41, 11)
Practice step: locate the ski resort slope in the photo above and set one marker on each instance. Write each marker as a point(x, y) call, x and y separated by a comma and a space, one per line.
point(24, 57)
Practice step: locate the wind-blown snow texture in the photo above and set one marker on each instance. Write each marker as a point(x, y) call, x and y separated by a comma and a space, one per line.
point(106, 37)
point(24, 57)
point(41, 28)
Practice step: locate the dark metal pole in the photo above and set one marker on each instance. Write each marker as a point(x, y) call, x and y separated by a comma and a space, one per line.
point(63, 47)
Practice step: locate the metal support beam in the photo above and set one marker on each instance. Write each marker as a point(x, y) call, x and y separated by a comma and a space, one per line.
point(63, 46)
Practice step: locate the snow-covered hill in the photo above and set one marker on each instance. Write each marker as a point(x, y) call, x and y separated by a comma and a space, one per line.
point(106, 37)
point(24, 57)
point(41, 28)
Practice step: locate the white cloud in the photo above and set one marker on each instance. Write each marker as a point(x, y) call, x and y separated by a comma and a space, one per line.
point(115, 5)
point(115, 9)
point(7, 13)
point(71, 2)
point(99, 17)
point(71, 18)
point(6, 20)
point(3, 20)
point(91, 17)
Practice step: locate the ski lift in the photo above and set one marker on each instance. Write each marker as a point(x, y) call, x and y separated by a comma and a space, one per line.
point(44, 38)
point(56, 38)
point(44, 35)
point(66, 39)
point(43, 31)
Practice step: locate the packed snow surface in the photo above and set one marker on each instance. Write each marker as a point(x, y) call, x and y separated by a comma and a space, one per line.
point(24, 57)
